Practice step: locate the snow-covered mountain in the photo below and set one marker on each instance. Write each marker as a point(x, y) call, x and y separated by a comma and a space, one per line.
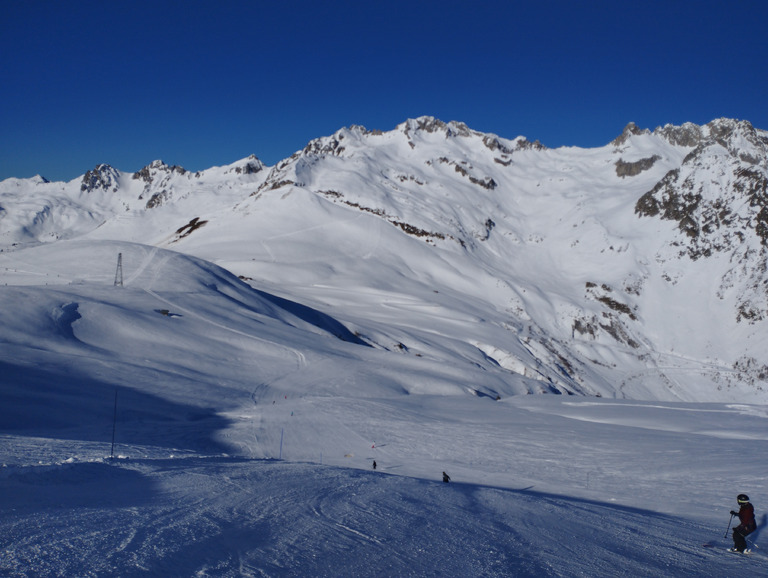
point(637, 269)
point(198, 371)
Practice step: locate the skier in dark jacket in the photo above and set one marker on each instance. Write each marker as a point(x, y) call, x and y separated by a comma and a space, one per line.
point(747, 523)
point(446, 478)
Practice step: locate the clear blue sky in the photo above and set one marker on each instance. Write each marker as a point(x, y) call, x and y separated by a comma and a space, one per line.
point(206, 83)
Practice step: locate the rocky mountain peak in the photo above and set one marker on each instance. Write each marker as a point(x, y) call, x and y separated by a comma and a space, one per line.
point(740, 138)
point(149, 172)
point(333, 145)
point(726, 128)
point(249, 166)
point(686, 135)
point(102, 177)
point(629, 130)
point(429, 124)
point(157, 176)
point(719, 194)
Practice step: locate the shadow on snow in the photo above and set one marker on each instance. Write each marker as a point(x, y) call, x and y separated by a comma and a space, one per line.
point(314, 317)
point(55, 403)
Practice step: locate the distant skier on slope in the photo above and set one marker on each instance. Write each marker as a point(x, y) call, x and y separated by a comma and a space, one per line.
point(374, 464)
point(747, 524)
point(446, 478)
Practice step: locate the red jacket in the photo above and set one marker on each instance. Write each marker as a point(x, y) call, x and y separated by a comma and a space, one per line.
point(747, 519)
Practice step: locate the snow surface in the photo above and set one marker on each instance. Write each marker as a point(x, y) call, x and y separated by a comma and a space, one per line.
point(246, 432)
point(252, 369)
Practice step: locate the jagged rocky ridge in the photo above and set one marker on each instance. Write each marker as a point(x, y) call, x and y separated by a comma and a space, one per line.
point(583, 256)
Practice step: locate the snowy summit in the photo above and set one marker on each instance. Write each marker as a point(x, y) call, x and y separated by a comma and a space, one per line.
point(199, 369)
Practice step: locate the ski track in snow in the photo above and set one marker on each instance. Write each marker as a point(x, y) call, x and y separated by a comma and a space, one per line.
point(223, 516)
point(148, 259)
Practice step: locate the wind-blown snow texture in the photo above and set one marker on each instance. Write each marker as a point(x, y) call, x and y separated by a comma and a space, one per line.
point(389, 296)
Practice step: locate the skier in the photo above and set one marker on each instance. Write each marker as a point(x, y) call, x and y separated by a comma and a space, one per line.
point(374, 464)
point(747, 524)
point(446, 478)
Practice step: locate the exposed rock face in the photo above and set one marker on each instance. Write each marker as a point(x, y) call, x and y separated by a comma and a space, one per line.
point(719, 199)
point(632, 169)
point(718, 213)
point(155, 168)
point(629, 130)
point(101, 178)
point(251, 167)
point(687, 135)
point(157, 176)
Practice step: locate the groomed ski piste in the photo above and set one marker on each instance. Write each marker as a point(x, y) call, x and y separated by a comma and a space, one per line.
point(246, 425)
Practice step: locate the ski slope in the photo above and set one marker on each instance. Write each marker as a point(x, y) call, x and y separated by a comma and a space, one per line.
point(247, 424)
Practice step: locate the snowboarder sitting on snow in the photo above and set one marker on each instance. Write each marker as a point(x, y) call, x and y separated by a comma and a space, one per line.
point(747, 524)
point(446, 478)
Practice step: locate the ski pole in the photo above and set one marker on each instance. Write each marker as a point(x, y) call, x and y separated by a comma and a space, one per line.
point(751, 543)
point(729, 527)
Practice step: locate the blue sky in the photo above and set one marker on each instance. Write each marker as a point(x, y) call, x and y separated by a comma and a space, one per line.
point(200, 84)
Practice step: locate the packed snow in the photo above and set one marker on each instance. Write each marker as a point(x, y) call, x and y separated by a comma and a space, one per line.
point(214, 405)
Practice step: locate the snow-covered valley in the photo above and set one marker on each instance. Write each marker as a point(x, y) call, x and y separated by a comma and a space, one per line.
point(270, 332)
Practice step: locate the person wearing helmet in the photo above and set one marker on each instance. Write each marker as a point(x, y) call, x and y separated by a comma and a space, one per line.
point(747, 524)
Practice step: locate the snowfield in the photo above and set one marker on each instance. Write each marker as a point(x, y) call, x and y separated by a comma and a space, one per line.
point(214, 405)
point(245, 437)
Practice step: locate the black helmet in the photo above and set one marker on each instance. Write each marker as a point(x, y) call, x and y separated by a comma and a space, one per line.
point(742, 498)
